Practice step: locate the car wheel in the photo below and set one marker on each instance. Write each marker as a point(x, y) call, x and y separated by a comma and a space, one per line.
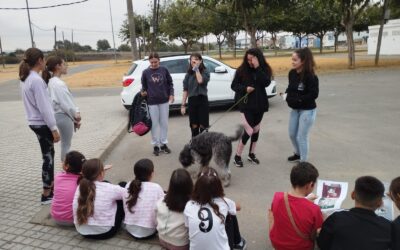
point(128, 107)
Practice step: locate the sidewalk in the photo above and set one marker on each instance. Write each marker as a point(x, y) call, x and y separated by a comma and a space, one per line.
point(103, 119)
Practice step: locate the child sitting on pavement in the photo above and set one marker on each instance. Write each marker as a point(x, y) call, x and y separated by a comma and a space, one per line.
point(140, 201)
point(358, 228)
point(394, 193)
point(65, 184)
point(172, 232)
point(211, 217)
point(295, 220)
point(97, 205)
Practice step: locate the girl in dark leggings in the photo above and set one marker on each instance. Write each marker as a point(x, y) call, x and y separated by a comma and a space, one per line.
point(40, 115)
point(251, 79)
point(195, 87)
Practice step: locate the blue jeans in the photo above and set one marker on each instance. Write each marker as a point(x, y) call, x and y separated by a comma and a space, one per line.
point(300, 123)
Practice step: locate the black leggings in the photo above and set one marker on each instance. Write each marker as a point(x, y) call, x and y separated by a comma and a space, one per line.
point(232, 230)
point(45, 138)
point(198, 113)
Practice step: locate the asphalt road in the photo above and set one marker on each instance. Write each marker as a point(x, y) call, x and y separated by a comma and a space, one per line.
point(356, 133)
point(10, 91)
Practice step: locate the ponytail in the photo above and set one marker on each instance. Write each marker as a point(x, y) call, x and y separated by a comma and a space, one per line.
point(85, 209)
point(133, 191)
point(31, 58)
point(143, 169)
point(91, 169)
point(51, 64)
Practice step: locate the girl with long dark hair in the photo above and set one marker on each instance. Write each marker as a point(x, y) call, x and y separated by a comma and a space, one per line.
point(251, 79)
point(39, 114)
point(172, 232)
point(300, 96)
point(195, 89)
point(140, 201)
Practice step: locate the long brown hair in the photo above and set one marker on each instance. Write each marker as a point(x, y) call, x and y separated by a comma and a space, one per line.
point(245, 69)
point(91, 169)
point(31, 58)
point(307, 58)
point(142, 170)
point(202, 67)
point(179, 190)
point(51, 64)
point(208, 187)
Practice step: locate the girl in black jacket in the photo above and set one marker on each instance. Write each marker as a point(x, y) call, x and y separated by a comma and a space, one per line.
point(251, 79)
point(300, 96)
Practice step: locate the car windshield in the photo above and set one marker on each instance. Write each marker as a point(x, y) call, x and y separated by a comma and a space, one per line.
point(132, 69)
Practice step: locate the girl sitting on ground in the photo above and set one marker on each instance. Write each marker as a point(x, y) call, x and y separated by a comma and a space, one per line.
point(172, 232)
point(97, 206)
point(210, 217)
point(140, 201)
point(65, 184)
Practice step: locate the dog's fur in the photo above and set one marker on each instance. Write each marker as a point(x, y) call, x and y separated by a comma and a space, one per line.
point(211, 145)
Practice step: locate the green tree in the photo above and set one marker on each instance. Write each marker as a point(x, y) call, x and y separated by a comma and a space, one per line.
point(103, 45)
point(183, 21)
point(124, 47)
point(351, 11)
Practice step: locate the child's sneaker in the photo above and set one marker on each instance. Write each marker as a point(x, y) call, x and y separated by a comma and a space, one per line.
point(252, 158)
point(294, 157)
point(164, 148)
point(45, 200)
point(241, 245)
point(156, 151)
point(238, 161)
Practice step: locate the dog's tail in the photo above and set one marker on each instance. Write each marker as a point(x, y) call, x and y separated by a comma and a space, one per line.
point(238, 134)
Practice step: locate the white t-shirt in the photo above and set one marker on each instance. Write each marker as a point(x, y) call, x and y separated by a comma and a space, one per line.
point(206, 230)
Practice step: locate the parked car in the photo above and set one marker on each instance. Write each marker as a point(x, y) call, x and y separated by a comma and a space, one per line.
point(219, 86)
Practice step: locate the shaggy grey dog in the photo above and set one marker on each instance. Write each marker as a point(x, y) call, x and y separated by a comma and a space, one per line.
point(211, 145)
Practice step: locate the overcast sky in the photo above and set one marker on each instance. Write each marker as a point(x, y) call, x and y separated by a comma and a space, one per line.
point(93, 15)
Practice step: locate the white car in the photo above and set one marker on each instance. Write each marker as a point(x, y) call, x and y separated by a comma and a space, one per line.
point(219, 86)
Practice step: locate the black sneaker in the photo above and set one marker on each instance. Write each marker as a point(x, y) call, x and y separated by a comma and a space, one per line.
point(294, 157)
point(238, 161)
point(164, 148)
point(252, 158)
point(241, 245)
point(45, 200)
point(156, 151)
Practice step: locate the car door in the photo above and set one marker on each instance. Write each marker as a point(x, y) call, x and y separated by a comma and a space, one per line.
point(177, 68)
point(219, 86)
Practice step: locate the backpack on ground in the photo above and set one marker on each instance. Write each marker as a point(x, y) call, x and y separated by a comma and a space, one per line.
point(139, 116)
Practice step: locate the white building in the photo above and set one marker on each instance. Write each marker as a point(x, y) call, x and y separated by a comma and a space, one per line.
point(390, 44)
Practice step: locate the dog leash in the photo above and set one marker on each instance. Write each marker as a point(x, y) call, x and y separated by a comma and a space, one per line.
point(234, 105)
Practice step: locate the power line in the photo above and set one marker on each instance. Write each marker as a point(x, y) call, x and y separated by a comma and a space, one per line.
point(66, 28)
point(46, 7)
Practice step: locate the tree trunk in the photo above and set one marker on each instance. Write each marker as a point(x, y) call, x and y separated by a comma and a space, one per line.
point(219, 49)
point(253, 41)
point(321, 41)
point(132, 30)
point(350, 45)
point(336, 41)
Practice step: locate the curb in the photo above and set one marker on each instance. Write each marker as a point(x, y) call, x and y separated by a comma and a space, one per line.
point(103, 152)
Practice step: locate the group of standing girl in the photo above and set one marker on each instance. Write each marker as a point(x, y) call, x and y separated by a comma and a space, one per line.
point(251, 78)
point(50, 109)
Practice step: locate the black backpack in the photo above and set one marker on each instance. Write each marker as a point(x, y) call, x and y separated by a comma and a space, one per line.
point(139, 116)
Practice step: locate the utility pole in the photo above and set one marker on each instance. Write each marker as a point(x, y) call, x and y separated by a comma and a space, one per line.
point(144, 39)
point(153, 43)
point(132, 30)
point(112, 30)
point(55, 37)
point(1, 53)
point(72, 46)
point(385, 16)
point(30, 25)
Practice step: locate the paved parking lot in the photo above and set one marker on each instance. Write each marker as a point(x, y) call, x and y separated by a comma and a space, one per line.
point(356, 133)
